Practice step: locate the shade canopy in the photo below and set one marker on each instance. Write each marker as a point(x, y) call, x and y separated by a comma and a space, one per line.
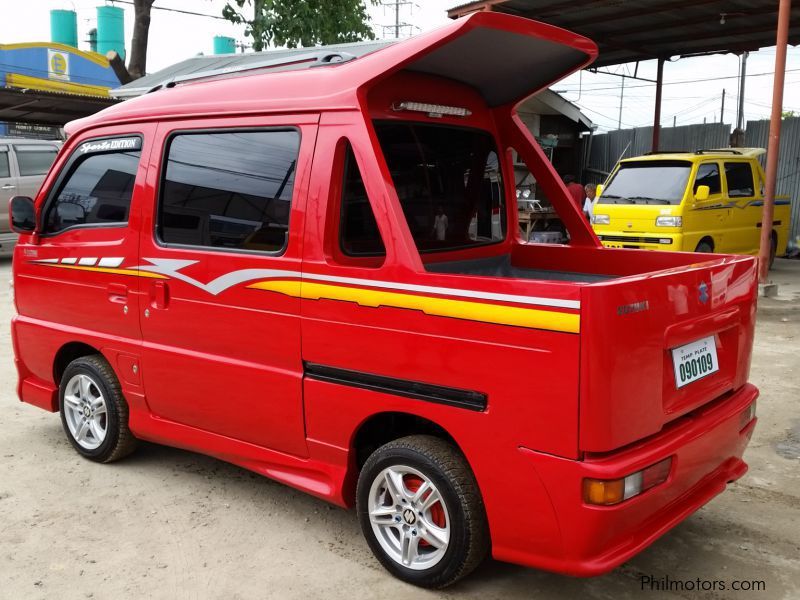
point(636, 30)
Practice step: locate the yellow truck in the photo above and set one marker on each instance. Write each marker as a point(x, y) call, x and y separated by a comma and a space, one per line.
point(703, 201)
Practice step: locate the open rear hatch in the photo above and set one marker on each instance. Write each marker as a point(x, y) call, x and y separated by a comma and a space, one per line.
point(635, 330)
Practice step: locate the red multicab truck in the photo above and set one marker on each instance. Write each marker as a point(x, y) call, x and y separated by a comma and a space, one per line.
point(315, 271)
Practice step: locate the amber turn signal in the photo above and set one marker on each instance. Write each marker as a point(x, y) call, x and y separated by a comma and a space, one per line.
point(606, 492)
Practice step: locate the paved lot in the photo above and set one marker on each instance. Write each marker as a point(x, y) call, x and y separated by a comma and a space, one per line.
point(170, 524)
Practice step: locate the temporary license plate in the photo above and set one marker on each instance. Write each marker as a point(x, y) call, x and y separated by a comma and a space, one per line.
point(695, 361)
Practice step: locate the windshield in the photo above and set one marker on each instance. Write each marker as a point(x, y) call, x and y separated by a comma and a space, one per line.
point(648, 182)
point(448, 181)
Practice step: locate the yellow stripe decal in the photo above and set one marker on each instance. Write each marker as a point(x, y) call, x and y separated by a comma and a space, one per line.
point(134, 272)
point(441, 307)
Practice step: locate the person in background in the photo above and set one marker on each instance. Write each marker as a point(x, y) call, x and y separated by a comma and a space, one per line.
point(440, 224)
point(575, 190)
point(591, 197)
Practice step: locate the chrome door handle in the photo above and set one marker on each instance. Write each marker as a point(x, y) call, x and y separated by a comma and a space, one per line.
point(8, 186)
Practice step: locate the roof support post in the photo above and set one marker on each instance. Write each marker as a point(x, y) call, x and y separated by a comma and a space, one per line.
point(657, 111)
point(773, 148)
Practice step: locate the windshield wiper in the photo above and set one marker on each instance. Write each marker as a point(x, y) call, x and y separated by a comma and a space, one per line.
point(647, 199)
point(617, 198)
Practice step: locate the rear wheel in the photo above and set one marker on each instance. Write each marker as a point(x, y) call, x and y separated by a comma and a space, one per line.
point(93, 411)
point(421, 511)
point(773, 249)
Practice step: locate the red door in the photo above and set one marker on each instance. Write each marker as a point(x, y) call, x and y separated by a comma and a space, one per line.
point(220, 355)
point(90, 217)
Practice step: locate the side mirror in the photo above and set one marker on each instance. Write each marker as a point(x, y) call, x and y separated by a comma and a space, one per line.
point(702, 193)
point(23, 214)
point(598, 190)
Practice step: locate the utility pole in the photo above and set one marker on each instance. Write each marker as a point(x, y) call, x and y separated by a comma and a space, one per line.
point(722, 110)
point(742, 76)
point(399, 25)
point(674, 120)
point(621, 96)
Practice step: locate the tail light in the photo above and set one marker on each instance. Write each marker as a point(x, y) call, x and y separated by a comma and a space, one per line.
point(605, 492)
point(748, 415)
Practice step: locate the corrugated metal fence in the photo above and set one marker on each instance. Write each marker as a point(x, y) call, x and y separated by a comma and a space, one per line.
point(788, 183)
point(607, 148)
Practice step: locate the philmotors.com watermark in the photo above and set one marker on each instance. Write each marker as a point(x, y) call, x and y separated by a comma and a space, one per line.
point(668, 584)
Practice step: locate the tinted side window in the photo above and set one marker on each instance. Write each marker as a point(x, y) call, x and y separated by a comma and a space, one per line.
point(98, 190)
point(359, 234)
point(740, 180)
point(708, 174)
point(229, 190)
point(35, 160)
point(5, 170)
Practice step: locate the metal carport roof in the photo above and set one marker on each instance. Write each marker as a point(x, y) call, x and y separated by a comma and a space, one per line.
point(50, 108)
point(636, 30)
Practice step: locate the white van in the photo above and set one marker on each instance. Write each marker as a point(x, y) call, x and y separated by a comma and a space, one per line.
point(23, 165)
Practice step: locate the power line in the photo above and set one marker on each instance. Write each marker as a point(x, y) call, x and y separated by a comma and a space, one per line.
point(175, 10)
point(684, 81)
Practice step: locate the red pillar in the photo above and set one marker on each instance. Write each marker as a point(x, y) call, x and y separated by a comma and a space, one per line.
point(773, 148)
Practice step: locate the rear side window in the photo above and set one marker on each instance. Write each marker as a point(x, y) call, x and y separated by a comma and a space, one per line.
point(739, 176)
point(35, 160)
point(5, 170)
point(359, 234)
point(229, 190)
point(97, 191)
point(708, 174)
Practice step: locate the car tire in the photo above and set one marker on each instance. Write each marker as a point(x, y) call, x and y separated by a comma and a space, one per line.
point(94, 413)
point(421, 511)
point(773, 249)
point(704, 247)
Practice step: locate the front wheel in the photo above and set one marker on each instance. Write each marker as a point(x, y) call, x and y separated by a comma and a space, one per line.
point(421, 511)
point(704, 247)
point(93, 410)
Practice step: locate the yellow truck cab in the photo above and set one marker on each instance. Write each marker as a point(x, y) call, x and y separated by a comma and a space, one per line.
point(703, 201)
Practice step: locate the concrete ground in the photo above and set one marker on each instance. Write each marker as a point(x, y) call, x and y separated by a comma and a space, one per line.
point(166, 523)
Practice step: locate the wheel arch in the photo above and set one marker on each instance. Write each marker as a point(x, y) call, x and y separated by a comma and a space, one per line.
point(381, 428)
point(66, 354)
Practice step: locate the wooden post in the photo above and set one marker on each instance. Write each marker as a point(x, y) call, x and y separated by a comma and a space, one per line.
point(773, 148)
point(657, 112)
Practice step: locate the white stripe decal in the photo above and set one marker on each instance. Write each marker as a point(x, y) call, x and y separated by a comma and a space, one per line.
point(46, 261)
point(111, 262)
point(172, 267)
point(69, 261)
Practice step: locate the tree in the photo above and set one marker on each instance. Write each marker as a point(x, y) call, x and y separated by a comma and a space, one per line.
point(141, 30)
point(788, 114)
point(296, 23)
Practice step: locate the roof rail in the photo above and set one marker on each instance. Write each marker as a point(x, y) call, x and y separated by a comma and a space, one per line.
point(652, 152)
point(718, 151)
point(294, 62)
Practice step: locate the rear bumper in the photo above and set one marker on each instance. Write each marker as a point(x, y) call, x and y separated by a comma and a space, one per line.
point(706, 451)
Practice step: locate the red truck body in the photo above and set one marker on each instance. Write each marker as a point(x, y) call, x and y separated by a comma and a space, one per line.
point(553, 361)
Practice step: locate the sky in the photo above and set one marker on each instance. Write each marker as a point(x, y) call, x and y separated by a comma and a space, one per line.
point(175, 36)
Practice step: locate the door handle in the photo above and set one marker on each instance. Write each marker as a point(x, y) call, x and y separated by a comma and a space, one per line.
point(159, 295)
point(8, 186)
point(117, 292)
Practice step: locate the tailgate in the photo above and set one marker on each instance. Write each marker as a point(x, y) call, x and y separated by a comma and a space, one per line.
point(630, 325)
